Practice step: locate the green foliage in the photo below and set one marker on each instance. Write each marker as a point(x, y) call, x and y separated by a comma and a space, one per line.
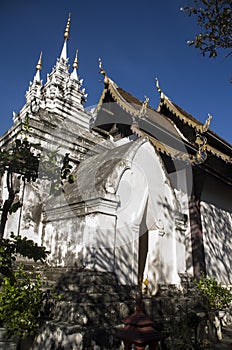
point(24, 160)
point(21, 303)
point(27, 161)
point(20, 159)
point(214, 17)
point(55, 170)
point(21, 297)
point(218, 296)
point(17, 245)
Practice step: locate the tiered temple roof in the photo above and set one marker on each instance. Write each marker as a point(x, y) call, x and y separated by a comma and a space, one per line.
point(173, 132)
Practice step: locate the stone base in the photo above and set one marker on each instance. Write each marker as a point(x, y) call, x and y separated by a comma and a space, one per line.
point(6, 343)
point(93, 304)
point(64, 336)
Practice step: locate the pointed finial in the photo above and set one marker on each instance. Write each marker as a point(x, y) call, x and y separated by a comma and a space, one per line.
point(103, 72)
point(75, 63)
point(100, 65)
point(75, 66)
point(143, 110)
point(39, 64)
point(38, 69)
point(145, 103)
point(157, 85)
point(67, 29)
point(63, 54)
point(205, 127)
point(162, 96)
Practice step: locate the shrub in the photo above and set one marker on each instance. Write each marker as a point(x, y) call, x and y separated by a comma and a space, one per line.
point(21, 303)
point(218, 296)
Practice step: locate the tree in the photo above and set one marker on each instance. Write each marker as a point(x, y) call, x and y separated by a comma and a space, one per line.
point(215, 19)
point(21, 295)
point(24, 161)
point(21, 303)
point(16, 245)
point(18, 162)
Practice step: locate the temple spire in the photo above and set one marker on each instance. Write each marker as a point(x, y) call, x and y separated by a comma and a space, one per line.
point(75, 67)
point(66, 37)
point(75, 63)
point(38, 69)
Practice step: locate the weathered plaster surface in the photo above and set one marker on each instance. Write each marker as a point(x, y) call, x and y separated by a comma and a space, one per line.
point(217, 228)
point(216, 216)
point(118, 196)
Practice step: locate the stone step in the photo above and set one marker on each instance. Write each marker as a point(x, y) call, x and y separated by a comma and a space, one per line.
point(90, 313)
point(62, 335)
point(86, 278)
point(88, 288)
point(71, 279)
point(7, 345)
point(95, 297)
point(226, 342)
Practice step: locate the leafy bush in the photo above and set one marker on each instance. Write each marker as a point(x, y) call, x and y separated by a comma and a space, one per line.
point(218, 296)
point(21, 303)
point(17, 245)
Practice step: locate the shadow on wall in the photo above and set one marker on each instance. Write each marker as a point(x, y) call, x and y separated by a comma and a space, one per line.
point(175, 217)
point(105, 257)
point(217, 228)
point(217, 240)
point(91, 298)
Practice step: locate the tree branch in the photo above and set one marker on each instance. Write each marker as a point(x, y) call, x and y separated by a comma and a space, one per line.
point(7, 203)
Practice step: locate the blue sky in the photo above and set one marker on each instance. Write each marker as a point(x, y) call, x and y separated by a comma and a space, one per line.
point(137, 41)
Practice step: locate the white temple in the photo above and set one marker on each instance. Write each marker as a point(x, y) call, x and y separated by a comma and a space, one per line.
point(152, 191)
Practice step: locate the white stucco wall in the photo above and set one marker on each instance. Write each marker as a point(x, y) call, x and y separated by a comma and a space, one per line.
point(182, 183)
point(216, 217)
point(217, 230)
point(146, 190)
point(103, 231)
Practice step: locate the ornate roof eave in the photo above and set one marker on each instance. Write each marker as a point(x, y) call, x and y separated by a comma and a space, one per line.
point(124, 105)
point(218, 154)
point(100, 102)
point(197, 126)
point(165, 100)
point(121, 101)
point(201, 128)
point(112, 87)
point(175, 154)
point(163, 148)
